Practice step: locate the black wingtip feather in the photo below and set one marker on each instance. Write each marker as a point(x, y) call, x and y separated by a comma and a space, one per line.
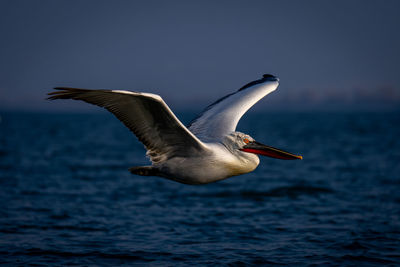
point(266, 77)
point(63, 93)
point(269, 76)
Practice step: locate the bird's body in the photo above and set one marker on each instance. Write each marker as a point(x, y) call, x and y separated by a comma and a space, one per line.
point(208, 150)
point(215, 162)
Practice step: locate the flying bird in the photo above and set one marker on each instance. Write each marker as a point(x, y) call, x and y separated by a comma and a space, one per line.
point(208, 150)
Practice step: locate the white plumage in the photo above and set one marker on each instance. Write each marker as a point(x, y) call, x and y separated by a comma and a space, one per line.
point(207, 151)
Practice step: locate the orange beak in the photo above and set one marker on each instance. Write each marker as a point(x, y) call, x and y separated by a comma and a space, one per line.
point(260, 149)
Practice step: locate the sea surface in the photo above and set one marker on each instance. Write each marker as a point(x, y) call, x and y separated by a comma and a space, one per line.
point(68, 199)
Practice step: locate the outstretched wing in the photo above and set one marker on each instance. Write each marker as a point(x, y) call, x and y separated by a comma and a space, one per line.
point(146, 115)
point(222, 117)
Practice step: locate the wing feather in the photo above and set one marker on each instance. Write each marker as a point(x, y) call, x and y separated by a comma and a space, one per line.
point(222, 117)
point(146, 115)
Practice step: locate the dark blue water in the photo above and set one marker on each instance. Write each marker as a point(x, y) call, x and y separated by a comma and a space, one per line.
point(67, 198)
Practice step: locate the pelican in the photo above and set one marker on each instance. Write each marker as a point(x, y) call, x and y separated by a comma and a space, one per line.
point(208, 150)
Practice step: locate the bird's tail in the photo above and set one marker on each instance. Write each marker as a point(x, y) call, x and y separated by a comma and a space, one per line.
point(144, 170)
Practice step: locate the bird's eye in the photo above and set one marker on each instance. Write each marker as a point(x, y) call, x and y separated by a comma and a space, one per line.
point(246, 140)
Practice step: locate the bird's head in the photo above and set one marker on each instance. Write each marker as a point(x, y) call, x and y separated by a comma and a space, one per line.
point(238, 141)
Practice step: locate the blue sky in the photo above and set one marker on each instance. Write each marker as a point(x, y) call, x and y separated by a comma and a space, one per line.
point(328, 54)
